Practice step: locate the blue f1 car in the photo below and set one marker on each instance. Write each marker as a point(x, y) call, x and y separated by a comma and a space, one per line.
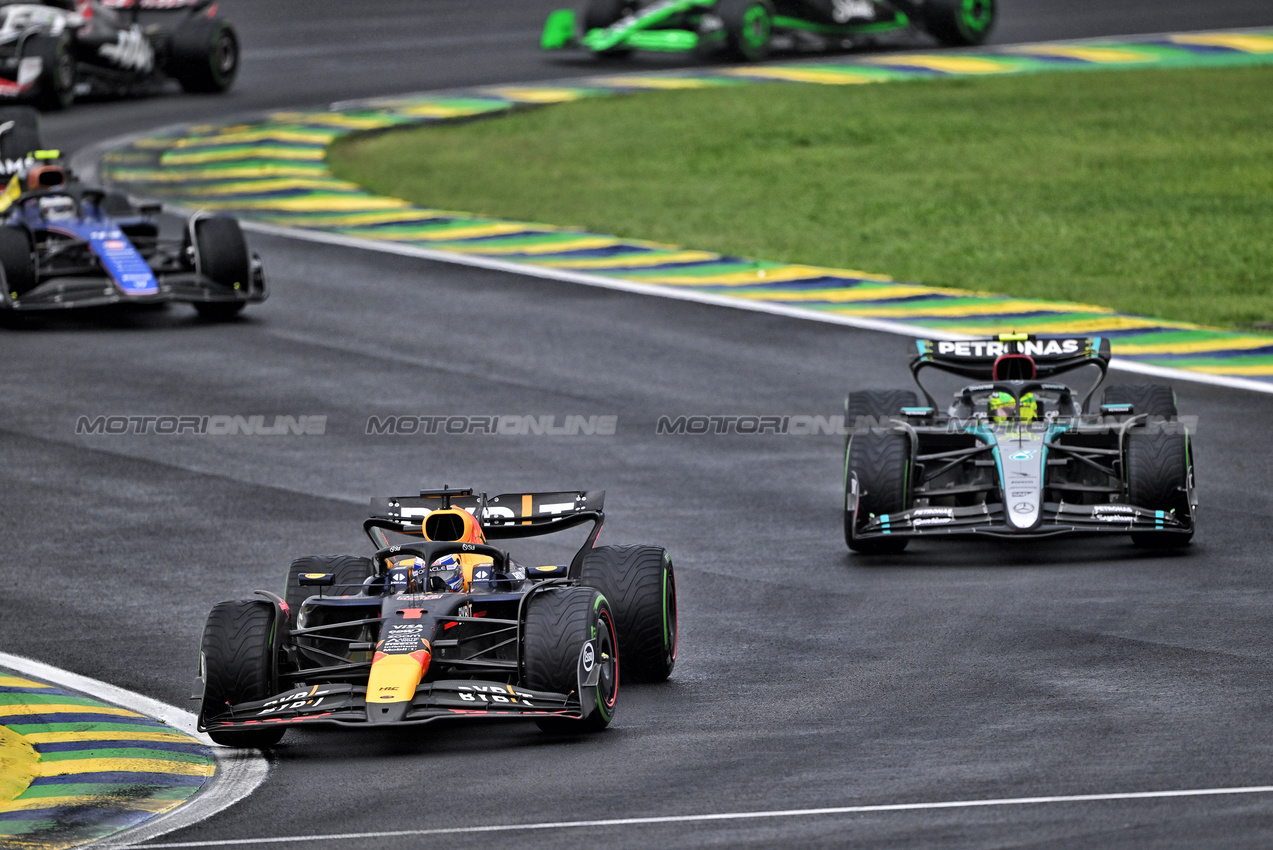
point(64, 244)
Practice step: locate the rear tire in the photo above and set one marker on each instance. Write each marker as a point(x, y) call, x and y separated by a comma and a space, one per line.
point(639, 584)
point(882, 462)
point(558, 622)
point(748, 27)
point(1157, 400)
point(239, 665)
point(349, 571)
point(205, 55)
point(958, 23)
point(877, 406)
point(55, 88)
point(18, 261)
point(1157, 478)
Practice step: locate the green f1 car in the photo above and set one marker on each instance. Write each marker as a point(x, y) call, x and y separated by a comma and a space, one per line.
point(749, 29)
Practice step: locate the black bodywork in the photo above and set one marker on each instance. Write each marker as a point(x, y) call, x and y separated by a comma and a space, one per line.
point(55, 50)
point(1062, 469)
point(475, 638)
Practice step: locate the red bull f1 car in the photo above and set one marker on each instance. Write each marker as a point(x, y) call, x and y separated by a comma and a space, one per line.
point(1017, 453)
point(64, 244)
point(438, 623)
point(751, 29)
point(54, 50)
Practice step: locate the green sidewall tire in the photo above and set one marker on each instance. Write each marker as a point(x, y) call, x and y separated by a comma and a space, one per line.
point(640, 584)
point(55, 89)
point(205, 55)
point(239, 665)
point(882, 462)
point(748, 27)
point(1158, 468)
point(349, 570)
point(959, 23)
point(558, 622)
point(17, 260)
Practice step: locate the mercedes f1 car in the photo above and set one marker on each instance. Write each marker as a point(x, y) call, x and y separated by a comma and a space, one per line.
point(1017, 453)
point(750, 29)
point(439, 623)
point(64, 244)
point(54, 50)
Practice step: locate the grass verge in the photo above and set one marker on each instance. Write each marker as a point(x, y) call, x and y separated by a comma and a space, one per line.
point(1148, 191)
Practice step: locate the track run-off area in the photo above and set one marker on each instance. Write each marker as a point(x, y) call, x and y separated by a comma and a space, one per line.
point(1079, 694)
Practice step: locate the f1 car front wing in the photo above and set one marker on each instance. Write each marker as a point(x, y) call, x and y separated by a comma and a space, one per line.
point(1056, 518)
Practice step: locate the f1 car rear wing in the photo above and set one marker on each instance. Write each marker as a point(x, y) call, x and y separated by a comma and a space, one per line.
point(1011, 357)
point(507, 515)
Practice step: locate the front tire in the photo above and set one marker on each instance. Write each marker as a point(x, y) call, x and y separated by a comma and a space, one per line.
point(639, 583)
point(221, 255)
point(748, 27)
point(881, 460)
point(17, 258)
point(239, 665)
point(959, 23)
point(1158, 469)
point(559, 621)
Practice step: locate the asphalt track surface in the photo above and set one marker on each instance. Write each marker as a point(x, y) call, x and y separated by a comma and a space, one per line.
point(808, 678)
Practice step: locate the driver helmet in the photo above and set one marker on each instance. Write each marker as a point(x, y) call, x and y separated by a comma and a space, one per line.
point(1002, 406)
point(449, 572)
point(1028, 407)
point(57, 208)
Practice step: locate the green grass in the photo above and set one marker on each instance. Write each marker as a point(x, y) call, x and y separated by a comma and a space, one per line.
point(1148, 191)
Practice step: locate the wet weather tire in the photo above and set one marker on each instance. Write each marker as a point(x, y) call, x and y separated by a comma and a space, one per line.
point(1158, 469)
point(17, 260)
point(639, 583)
point(221, 255)
point(238, 661)
point(55, 88)
point(205, 55)
point(349, 572)
point(958, 23)
point(881, 461)
point(877, 406)
point(558, 622)
point(1156, 400)
point(748, 27)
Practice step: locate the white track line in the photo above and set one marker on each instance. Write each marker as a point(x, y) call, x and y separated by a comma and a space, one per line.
point(678, 294)
point(238, 773)
point(727, 816)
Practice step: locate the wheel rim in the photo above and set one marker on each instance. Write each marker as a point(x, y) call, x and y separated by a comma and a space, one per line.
point(226, 55)
point(755, 32)
point(65, 73)
point(608, 679)
point(975, 15)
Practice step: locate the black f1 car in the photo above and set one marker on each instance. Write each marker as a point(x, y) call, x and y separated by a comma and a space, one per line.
point(1016, 454)
point(64, 244)
point(750, 29)
point(439, 624)
point(51, 51)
